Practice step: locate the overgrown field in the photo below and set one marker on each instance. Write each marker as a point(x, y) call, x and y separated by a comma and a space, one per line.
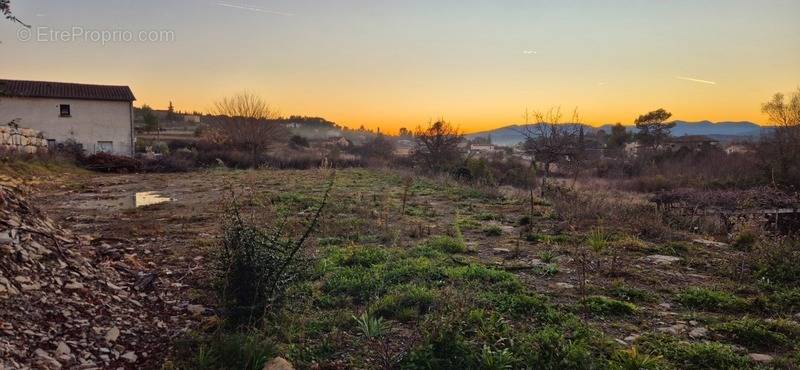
point(418, 273)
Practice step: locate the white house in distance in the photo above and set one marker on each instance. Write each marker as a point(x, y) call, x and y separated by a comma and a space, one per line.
point(98, 117)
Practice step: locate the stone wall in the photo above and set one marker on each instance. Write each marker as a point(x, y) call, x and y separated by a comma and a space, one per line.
point(24, 140)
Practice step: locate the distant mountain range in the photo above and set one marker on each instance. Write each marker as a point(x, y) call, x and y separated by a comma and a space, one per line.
point(722, 131)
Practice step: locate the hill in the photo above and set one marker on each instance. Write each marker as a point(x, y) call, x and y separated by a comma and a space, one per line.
point(723, 131)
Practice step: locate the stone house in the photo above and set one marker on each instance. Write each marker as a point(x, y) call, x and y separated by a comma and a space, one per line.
point(97, 117)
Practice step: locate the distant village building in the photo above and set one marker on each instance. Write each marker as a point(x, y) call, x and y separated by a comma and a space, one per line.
point(692, 143)
point(739, 149)
point(97, 117)
point(482, 148)
point(191, 118)
point(403, 148)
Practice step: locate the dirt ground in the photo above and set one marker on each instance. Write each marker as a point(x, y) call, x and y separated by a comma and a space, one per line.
point(175, 239)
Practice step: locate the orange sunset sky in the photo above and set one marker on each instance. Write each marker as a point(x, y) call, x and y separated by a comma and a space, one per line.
point(392, 64)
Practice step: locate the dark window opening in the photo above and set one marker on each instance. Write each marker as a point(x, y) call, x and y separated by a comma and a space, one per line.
point(65, 110)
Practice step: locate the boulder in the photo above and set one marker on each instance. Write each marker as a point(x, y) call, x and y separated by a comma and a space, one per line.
point(760, 358)
point(278, 363)
point(659, 259)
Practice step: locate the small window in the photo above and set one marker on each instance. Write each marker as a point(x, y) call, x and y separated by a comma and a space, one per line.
point(105, 146)
point(65, 110)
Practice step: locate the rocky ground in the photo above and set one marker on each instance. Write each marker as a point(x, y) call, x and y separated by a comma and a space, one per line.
point(76, 300)
point(126, 282)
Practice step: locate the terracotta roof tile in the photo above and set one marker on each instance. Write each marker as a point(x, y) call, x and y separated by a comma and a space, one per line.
point(61, 90)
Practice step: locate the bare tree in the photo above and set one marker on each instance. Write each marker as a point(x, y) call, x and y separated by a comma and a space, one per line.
point(5, 9)
point(549, 141)
point(437, 146)
point(783, 147)
point(247, 122)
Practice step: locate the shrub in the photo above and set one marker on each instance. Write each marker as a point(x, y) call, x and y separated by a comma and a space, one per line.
point(365, 256)
point(480, 273)
point(778, 260)
point(632, 359)
point(517, 304)
point(105, 162)
point(547, 256)
point(629, 294)
point(420, 269)
point(487, 216)
point(787, 301)
point(711, 300)
point(684, 355)
point(759, 334)
point(371, 326)
point(604, 306)
point(745, 239)
point(598, 240)
point(443, 347)
point(405, 302)
point(247, 351)
point(358, 282)
point(256, 267)
point(447, 244)
point(553, 348)
point(493, 230)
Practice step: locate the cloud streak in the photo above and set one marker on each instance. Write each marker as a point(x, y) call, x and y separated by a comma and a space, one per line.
point(253, 9)
point(696, 80)
point(529, 52)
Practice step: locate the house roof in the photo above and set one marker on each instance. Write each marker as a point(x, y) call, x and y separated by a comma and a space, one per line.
point(61, 90)
point(692, 139)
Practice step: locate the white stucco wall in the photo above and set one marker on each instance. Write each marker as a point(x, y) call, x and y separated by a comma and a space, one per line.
point(91, 121)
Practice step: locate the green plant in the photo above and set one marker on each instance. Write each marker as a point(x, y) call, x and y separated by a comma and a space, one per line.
point(487, 216)
point(358, 282)
point(447, 244)
point(697, 355)
point(632, 359)
point(405, 302)
point(515, 304)
point(500, 359)
point(547, 256)
point(493, 230)
point(777, 260)
point(244, 350)
point(604, 306)
point(371, 326)
point(549, 269)
point(629, 294)
point(365, 256)
point(711, 300)
point(598, 240)
point(255, 267)
point(480, 273)
point(556, 347)
point(759, 334)
point(745, 239)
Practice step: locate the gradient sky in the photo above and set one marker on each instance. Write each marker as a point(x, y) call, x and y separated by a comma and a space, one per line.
point(392, 64)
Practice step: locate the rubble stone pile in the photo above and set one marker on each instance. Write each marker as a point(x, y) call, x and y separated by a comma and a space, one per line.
point(69, 301)
point(22, 140)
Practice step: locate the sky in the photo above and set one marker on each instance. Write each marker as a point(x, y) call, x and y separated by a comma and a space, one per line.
point(391, 64)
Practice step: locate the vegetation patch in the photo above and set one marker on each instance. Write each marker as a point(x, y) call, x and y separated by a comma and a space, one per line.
point(405, 302)
point(711, 300)
point(629, 294)
point(760, 334)
point(696, 355)
point(604, 306)
point(447, 244)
